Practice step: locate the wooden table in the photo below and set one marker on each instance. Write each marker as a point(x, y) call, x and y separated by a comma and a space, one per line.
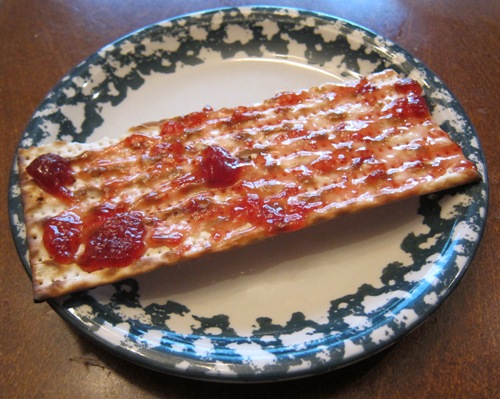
point(454, 354)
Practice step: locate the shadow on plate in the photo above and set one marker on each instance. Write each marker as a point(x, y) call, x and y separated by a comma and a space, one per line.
point(331, 236)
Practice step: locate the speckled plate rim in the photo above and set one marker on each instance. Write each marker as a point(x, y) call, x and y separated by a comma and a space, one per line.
point(280, 373)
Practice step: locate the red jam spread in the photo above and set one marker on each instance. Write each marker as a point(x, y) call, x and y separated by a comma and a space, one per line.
point(218, 167)
point(413, 106)
point(202, 179)
point(62, 235)
point(117, 241)
point(407, 86)
point(111, 237)
point(53, 173)
point(186, 123)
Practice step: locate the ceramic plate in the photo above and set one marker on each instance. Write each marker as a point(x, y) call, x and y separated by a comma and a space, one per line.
point(296, 305)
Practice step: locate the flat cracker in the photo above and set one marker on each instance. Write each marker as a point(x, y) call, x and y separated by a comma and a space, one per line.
point(319, 117)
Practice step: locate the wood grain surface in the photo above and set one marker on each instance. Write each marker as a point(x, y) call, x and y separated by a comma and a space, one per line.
point(453, 355)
